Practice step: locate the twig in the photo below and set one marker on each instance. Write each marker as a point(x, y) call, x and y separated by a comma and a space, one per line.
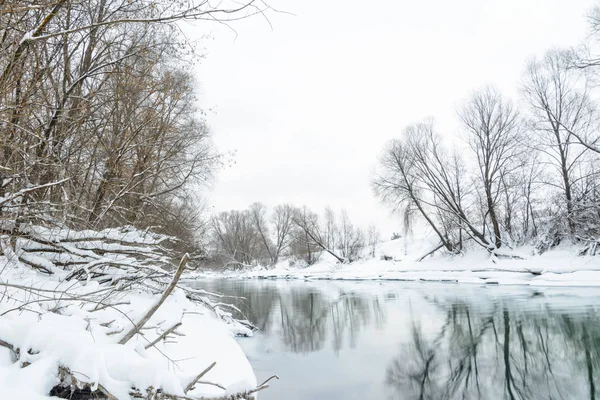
point(100, 307)
point(190, 386)
point(263, 385)
point(158, 339)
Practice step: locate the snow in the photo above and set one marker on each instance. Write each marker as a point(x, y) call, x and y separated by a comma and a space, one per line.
point(558, 267)
point(45, 317)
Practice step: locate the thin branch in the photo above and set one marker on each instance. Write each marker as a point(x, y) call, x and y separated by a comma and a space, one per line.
point(190, 386)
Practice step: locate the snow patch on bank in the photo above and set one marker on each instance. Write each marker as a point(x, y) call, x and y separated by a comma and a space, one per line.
point(50, 328)
point(558, 267)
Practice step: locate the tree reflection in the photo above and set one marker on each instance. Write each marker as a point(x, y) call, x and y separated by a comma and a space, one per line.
point(414, 372)
point(500, 354)
point(306, 318)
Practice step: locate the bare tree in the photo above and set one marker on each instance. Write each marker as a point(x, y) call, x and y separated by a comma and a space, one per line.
point(493, 134)
point(560, 108)
point(443, 173)
point(283, 224)
point(397, 183)
point(258, 213)
point(236, 237)
point(330, 228)
point(373, 238)
point(306, 234)
point(350, 238)
point(311, 233)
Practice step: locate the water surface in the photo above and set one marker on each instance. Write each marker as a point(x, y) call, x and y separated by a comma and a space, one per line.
point(391, 340)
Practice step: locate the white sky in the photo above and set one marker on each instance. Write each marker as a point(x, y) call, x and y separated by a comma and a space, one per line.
point(309, 105)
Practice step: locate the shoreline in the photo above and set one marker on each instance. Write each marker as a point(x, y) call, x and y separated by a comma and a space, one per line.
point(467, 280)
point(555, 268)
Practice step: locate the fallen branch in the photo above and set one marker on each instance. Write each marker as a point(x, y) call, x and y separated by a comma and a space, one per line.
point(135, 329)
point(430, 253)
point(10, 347)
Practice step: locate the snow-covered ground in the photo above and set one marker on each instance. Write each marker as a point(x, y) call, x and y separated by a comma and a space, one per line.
point(47, 329)
point(558, 267)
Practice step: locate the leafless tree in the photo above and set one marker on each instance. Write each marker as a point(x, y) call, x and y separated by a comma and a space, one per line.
point(397, 183)
point(560, 108)
point(236, 237)
point(351, 239)
point(283, 224)
point(373, 238)
point(258, 213)
point(419, 173)
point(443, 173)
point(311, 232)
point(306, 234)
point(330, 228)
point(494, 135)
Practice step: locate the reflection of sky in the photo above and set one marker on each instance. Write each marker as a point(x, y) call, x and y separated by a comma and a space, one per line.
point(359, 371)
point(322, 374)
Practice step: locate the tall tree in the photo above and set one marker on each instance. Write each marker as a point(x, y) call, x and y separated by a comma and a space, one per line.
point(493, 134)
point(560, 108)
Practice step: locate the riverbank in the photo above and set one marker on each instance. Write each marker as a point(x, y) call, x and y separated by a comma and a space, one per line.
point(64, 337)
point(558, 267)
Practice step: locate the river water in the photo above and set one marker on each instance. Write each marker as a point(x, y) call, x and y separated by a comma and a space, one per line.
point(393, 340)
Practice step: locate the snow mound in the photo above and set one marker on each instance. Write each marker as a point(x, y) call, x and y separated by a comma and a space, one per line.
point(61, 332)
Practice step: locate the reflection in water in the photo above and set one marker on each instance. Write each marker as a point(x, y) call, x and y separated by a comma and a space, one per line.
point(305, 319)
point(420, 341)
point(500, 354)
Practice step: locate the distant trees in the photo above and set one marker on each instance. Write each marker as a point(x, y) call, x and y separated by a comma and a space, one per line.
point(237, 238)
point(260, 236)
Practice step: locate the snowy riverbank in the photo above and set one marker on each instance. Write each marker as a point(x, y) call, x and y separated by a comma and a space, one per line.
point(58, 335)
point(557, 267)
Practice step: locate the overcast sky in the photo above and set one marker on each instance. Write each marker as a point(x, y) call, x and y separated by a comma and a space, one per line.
point(309, 104)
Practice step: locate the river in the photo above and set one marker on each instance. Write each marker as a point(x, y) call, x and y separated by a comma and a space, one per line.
point(394, 340)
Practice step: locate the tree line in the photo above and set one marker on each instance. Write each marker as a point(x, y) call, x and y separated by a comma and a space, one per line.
point(516, 173)
point(257, 235)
